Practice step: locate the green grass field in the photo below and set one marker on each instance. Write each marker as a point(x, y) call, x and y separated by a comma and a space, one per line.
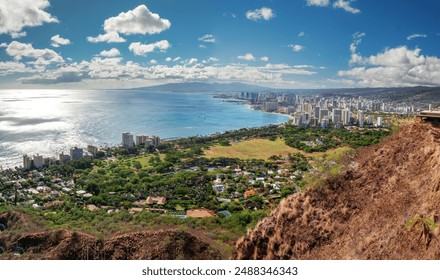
point(255, 148)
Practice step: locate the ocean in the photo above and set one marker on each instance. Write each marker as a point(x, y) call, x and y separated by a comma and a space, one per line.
point(47, 122)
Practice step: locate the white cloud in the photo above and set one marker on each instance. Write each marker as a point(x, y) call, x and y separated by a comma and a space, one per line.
point(153, 61)
point(357, 39)
point(248, 57)
point(15, 15)
point(301, 34)
point(416, 35)
point(263, 13)
point(138, 21)
point(43, 56)
point(58, 41)
point(319, 3)
point(191, 61)
point(345, 5)
point(16, 35)
point(110, 37)
point(208, 38)
point(168, 59)
point(287, 69)
point(141, 49)
point(110, 53)
point(210, 59)
point(264, 58)
point(297, 48)
point(10, 67)
point(177, 58)
point(395, 67)
point(111, 72)
point(202, 46)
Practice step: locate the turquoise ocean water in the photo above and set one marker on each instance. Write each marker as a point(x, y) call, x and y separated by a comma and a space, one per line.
point(50, 121)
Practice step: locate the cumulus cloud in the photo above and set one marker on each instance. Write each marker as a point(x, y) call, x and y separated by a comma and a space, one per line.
point(297, 48)
point(416, 35)
point(168, 59)
point(210, 59)
point(137, 21)
point(16, 15)
point(15, 35)
point(191, 61)
point(301, 34)
point(319, 3)
point(208, 38)
point(110, 37)
point(258, 14)
point(346, 5)
point(264, 58)
point(140, 49)
point(105, 72)
point(58, 41)
point(10, 67)
point(19, 50)
point(395, 67)
point(153, 61)
point(110, 53)
point(248, 57)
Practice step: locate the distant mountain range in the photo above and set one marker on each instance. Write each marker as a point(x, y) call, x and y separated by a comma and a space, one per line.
point(403, 94)
point(207, 87)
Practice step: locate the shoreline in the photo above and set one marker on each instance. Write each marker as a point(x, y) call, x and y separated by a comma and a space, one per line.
point(249, 106)
point(107, 145)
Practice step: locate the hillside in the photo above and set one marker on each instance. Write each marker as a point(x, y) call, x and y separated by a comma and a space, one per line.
point(23, 234)
point(385, 206)
point(206, 87)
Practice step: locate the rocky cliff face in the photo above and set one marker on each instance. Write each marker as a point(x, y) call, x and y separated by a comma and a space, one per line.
point(384, 206)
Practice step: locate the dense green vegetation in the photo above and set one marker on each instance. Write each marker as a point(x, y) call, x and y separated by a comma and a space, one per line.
point(315, 139)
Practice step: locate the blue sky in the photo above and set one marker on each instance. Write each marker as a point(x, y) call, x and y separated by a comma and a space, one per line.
point(279, 43)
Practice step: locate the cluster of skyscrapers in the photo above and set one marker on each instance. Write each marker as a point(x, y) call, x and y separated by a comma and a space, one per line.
point(128, 142)
point(37, 161)
point(325, 111)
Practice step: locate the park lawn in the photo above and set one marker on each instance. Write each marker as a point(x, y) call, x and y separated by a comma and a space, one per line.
point(252, 149)
point(333, 154)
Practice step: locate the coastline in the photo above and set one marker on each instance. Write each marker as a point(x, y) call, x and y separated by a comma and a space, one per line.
point(249, 106)
point(11, 157)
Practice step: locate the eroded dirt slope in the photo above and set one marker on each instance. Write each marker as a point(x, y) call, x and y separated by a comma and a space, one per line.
point(383, 207)
point(23, 235)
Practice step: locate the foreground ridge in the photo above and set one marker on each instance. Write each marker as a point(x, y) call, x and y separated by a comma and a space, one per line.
point(384, 206)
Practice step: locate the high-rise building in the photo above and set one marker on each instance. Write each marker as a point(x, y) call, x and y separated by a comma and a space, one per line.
point(92, 149)
point(323, 114)
point(38, 161)
point(127, 140)
point(316, 112)
point(155, 140)
point(346, 114)
point(27, 162)
point(379, 121)
point(76, 153)
point(270, 106)
point(141, 139)
point(361, 118)
point(64, 158)
point(337, 115)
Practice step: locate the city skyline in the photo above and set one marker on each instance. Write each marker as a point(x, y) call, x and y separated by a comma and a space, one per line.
point(278, 43)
